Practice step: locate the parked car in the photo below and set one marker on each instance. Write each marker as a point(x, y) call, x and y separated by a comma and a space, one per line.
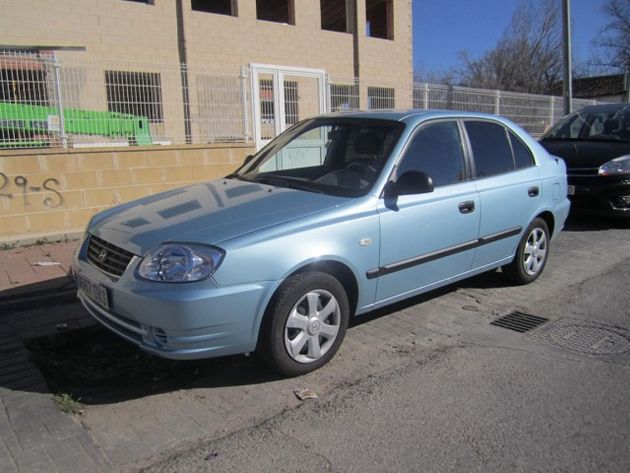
point(595, 144)
point(338, 216)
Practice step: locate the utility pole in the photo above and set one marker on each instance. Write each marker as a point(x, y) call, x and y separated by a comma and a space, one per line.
point(567, 82)
point(183, 68)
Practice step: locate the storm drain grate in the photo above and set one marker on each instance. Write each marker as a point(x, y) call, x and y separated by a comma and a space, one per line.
point(519, 321)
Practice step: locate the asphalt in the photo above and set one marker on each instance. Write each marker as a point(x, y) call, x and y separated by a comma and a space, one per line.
point(417, 374)
point(36, 276)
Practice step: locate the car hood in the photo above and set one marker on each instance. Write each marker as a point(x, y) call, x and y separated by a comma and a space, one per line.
point(585, 154)
point(205, 213)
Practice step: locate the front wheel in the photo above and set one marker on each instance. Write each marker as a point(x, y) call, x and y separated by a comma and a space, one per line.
point(305, 323)
point(531, 254)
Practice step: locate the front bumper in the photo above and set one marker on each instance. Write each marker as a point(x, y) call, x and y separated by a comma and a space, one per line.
point(602, 195)
point(178, 321)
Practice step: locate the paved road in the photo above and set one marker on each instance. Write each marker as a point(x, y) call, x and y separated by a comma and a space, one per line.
point(427, 385)
point(490, 401)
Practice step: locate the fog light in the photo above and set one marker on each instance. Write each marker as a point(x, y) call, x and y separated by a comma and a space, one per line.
point(159, 336)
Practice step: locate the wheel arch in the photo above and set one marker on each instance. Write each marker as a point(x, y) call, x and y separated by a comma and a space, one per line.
point(342, 273)
point(339, 270)
point(549, 219)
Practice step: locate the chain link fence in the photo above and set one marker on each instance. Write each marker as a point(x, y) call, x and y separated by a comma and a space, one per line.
point(47, 103)
point(535, 113)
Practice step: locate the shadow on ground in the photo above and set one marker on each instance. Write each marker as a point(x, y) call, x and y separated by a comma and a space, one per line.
point(97, 367)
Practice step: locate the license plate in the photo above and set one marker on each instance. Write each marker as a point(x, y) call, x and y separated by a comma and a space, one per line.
point(571, 190)
point(94, 291)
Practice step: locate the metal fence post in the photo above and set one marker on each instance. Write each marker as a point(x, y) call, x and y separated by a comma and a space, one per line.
point(328, 92)
point(62, 124)
point(244, 86)
point(497, 102)
point(426, 96)
point(552, 105)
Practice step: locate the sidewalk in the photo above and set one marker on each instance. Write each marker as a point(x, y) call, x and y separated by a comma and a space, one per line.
point(35, 435)
point(37, 275)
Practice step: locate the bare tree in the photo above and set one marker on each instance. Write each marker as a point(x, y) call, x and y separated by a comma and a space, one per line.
point(615, 37)
point(527, 57)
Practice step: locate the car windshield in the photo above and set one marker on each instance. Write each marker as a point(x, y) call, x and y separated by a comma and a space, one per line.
point(339, 156)
point(609, 123)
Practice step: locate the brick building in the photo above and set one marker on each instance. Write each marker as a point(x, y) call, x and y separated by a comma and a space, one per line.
point(292, 50)
point(204, 83)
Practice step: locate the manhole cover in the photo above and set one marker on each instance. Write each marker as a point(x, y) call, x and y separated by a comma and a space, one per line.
point(586, 337)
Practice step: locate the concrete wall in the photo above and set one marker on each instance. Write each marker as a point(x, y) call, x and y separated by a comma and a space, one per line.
point(49, 194)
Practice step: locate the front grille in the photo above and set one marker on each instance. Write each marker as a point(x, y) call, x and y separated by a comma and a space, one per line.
point(107, 257)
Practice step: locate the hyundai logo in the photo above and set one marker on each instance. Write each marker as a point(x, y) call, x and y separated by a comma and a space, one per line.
point(102, 256)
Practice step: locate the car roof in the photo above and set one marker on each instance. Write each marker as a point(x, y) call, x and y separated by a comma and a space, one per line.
point(414, 115)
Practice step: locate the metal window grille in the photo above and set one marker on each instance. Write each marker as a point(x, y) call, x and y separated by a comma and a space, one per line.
point(135, 93)
point(344, 97)
point(380, 98)
point(291, 102)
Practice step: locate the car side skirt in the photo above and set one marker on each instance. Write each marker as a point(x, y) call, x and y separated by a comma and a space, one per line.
point(451, 250)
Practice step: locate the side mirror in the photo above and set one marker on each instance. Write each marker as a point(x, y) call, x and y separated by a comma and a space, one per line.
point(247, 159)
point(413, 182)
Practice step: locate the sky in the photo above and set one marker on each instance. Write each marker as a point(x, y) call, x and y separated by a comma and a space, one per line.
point(443, 28)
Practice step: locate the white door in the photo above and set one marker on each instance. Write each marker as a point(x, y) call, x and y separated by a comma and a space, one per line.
point(283, 96)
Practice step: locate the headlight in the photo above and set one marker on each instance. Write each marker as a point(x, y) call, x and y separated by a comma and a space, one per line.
point(180, 262)
point(620, 165)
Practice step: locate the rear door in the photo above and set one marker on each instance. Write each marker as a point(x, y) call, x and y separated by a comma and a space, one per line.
point(509, 188)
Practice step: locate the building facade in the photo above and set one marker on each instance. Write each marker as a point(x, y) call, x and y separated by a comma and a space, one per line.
point(301, 57)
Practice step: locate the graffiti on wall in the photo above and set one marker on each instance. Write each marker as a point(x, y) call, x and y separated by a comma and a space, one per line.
point(20, 186)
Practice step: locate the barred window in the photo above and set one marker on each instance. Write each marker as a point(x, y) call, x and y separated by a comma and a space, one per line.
point(291, 102)
point(344, 97)
point(380, 98)
point(25, 85)
point(135, 93)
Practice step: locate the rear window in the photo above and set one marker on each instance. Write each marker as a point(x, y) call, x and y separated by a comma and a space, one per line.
point(491, 149)
point(522, 155)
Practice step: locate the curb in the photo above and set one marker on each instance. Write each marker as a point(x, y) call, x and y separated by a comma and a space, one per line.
point(63, 292)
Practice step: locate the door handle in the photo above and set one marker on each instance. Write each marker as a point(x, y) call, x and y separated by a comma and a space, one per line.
point(533, 191)
point(467, 207)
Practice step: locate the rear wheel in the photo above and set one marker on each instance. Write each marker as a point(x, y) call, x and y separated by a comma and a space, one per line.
point(305, 323)
point(531, 254)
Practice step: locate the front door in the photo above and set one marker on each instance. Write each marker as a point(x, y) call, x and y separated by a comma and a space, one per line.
point(428, 239)
point(282, 96)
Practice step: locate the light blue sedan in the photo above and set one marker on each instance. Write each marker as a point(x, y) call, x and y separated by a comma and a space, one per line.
point(338, 216)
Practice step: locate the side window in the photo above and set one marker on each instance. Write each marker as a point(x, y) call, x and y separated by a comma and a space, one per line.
point(490, 147)
point(522, 155)
point(436, 149)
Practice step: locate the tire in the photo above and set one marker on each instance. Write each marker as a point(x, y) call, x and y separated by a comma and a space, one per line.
point(305, 323)
point(531, 255)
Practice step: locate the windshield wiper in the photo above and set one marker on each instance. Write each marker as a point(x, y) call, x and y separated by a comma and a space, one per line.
point(238, 176)
point(283, 182)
